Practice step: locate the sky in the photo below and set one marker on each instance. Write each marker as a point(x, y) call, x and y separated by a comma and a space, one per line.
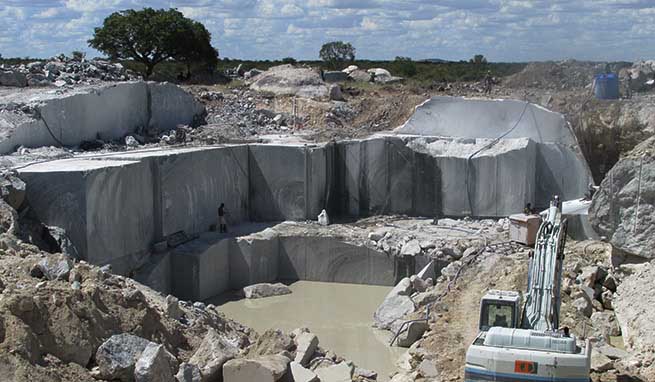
point(502, 30)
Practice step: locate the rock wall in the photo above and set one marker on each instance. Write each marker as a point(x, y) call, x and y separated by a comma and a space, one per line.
point(105, 206)
point(108, 112)
point(213, 264)
point(180, 189)
point(560, 166)
point(623, 209)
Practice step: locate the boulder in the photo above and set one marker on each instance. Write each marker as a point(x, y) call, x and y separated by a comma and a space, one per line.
point(269, 368)
point(341, 372)
point(188, 373)
point(336, 94)
point(606, 323)
point(418, 284)
point(612, 352)
point(600, 362)
point(117, 357)
point(395, 306)
point(350, 69)
point(212, 353)
point(12, 78)
point(306, 345)
point(634, 305)
point(428, 369)
point(588, 276)
point(624, 206)
point(273, 341)
point(173, 309)
point(379, 72)
point(413, 333)
point(583, 305)
point(55, 267)
point(251, 73)
point(265, 290)
point(411, 248)
point(290, 80)
point(155, 365)
point(360, 76)
point(12, 190)
point(335, 76)
point(388, 80)
point(300, 374)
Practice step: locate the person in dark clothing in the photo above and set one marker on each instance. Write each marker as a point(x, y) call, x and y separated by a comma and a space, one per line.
point(528, 210)
point(488, 83)
point(222, 227)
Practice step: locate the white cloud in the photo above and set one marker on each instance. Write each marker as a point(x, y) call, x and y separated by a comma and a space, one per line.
point(515, 30)
point(90, 5)
point(47, 13)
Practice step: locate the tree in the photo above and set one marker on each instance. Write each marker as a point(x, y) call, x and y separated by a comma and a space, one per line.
point(196, 48)
point(288, 60)
point(336, 53)
point(478, 59)
point(150, 36)
point(405, 66)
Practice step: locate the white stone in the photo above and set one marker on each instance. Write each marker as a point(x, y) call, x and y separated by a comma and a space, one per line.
point(263, 290)
point(300, 374)
point(212, 353)
point(155, 365)
point(341, 372)
point(411, 248)
point(261, 369)
point(306, 344)
point(323, 218)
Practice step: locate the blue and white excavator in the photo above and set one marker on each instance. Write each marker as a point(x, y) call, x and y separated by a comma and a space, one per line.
point(530, 347)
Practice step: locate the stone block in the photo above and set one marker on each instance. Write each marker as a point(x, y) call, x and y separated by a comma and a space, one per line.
point(270, 368)
point(89, 199)
point(201, 268)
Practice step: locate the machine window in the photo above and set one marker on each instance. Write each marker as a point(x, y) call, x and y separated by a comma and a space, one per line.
point(497, 314)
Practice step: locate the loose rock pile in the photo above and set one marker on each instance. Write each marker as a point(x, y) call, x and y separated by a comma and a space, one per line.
point(61, 71)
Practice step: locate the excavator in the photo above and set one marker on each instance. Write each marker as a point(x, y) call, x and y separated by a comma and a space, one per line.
point(525, 345)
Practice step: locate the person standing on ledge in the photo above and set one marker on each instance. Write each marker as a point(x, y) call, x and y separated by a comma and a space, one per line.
point(222, 227)
point(488, 83)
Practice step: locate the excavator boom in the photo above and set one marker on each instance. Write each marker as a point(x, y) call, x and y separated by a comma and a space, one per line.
point(534, 349)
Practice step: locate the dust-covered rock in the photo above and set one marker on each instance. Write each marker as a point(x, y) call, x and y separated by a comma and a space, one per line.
point(155, 365)
point(269, 368)
point(263, 290)
point(212, 353)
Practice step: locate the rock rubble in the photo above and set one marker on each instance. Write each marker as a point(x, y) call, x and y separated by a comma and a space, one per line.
point(64, 71)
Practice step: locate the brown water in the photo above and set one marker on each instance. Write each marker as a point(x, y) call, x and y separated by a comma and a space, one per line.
point(339, 314)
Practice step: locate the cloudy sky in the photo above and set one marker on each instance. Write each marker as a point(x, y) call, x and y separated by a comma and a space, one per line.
point(502, 30)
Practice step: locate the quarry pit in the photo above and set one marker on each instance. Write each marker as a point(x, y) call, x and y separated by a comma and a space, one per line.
point(401, 202)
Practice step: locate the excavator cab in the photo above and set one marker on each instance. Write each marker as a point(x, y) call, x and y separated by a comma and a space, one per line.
point(499, 309)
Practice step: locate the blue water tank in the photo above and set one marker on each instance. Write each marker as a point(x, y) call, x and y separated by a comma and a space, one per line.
point(606, 86)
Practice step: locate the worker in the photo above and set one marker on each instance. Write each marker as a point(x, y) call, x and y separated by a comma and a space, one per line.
point(488, 82)
point(528, 210)
point(628, 86)
point(222, 226)
point(501, 320)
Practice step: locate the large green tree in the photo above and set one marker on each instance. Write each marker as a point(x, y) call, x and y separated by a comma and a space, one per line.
point(150, 36)
point(336, 53)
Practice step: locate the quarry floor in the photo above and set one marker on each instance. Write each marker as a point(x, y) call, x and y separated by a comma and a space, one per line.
point(339, 314)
